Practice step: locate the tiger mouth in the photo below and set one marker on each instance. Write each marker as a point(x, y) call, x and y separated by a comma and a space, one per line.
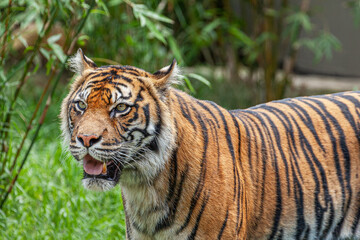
point(95, 169)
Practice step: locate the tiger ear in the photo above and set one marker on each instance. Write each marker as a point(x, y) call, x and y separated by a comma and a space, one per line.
point(166, 76)
point(79, 63)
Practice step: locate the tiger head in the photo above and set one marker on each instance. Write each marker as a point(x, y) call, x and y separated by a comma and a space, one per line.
point(116, 121)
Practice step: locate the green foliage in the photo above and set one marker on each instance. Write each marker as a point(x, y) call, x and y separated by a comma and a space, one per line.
point(354, 5)
point(138, 37)
point(322, 46)
point(39, 18)
point(296, 21)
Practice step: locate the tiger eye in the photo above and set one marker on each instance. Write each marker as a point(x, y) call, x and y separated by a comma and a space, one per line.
point(81, 105)
point(121, 107)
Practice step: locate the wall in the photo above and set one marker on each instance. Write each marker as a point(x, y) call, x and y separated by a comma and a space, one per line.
point(334, 16)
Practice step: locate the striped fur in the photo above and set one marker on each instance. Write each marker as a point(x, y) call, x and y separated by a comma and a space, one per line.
point(287, 169)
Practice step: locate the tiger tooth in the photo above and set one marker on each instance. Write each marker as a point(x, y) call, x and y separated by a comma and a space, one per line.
point(104, 169)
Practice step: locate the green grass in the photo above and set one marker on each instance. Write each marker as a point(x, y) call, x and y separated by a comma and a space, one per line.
point(49, 202)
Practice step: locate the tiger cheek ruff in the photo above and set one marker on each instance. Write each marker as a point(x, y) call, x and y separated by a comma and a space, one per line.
point(190, 169)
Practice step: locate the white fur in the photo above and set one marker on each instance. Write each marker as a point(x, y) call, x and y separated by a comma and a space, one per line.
point(97, 184)
point(75, 63)
point(175, 77)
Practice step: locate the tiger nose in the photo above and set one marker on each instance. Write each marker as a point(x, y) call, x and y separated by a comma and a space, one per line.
point(88, 140)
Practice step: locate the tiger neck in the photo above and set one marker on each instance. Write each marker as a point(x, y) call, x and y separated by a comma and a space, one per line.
point(145, 200)
point(152, 207)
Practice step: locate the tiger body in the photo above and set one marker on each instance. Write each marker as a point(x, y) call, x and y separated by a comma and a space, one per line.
point(191, 169)
point(290, 167)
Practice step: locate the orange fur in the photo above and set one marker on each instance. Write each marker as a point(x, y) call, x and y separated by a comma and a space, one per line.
point(286, 169)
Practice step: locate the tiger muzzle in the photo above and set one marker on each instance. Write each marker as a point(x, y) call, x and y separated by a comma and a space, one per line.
point(109, 171)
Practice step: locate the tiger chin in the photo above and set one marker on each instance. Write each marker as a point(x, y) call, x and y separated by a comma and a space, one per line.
point(190, 169)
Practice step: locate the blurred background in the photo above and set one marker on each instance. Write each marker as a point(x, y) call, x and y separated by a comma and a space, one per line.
point(237, 53)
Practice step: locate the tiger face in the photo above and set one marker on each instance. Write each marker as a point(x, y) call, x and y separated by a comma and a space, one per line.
point(114, 122)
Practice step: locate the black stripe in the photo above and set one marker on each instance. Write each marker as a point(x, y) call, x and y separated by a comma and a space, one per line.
point(201, 181)
point(271, 148)
point(239, 185)
point(307, 119)
point(248, 123)
point(173, 197)
point(298, 192)
point(208, 110)
point(158, 111)
point(223, 225)
point(185, 110)
point(147, 115)
point(214, 134)
point(229, 143)
point(198, 218)
point(212, 127)
point(325, 116)
point(311, 160)
point(347, 163)
point(357, 215)
point(290, 132)
point(240, 115)
point(96, 75)
point(129, 80)
point(139, 97)
point(127, 221)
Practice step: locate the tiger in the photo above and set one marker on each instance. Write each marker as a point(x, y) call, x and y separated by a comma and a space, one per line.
point(190, 169)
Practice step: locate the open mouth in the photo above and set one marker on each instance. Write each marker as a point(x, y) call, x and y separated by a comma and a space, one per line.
point(101, 170)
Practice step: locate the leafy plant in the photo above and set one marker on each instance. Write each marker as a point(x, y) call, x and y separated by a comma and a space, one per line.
point(20, 15)
point(354, 6)
point(256, 39)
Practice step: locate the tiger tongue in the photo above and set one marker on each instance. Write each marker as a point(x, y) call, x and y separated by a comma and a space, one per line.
point(92, 166)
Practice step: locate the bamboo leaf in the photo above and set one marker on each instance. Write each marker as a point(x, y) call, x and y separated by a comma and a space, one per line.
point(155, 31)
point(49, 65)
point(113, 3)
point(143, 10)
point(322, 46)
point(188, 84)
point(82, 40)
point(300, 19)
point(99, 11)
point(295, 23)
point(59, 53)
point(142, 20)
point(200, 78)
point(54, 38)
point(355, 8)
point(104, 7)
point(36, 68)
point(23, 41)
point(28, 48)
point(15, 69)
point(212, 26)
point(244, 39)
point(175, 49)
point(45, 53)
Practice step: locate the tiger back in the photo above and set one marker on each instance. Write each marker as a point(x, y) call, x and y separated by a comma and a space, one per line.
point(190, 169)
